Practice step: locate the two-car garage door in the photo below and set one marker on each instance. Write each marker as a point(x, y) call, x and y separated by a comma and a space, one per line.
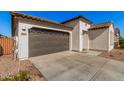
point(43, 41)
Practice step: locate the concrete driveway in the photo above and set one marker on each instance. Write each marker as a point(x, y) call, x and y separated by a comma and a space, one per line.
point(73, 66)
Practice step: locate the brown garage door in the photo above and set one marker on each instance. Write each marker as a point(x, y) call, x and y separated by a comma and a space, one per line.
point(43, 41)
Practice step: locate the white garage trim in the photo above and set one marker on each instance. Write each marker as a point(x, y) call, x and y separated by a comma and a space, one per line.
point(24, 42)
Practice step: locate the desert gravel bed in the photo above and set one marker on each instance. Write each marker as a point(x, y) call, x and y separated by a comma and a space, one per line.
point(10, 67)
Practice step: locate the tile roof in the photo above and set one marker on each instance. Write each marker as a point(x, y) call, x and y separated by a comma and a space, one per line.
point(93, 27)
point(101, 25)
point(22, 15)
point(78, 17)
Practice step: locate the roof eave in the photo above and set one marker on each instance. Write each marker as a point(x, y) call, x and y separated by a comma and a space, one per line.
point(88, 21)
point(98, 28)
point(22, 15)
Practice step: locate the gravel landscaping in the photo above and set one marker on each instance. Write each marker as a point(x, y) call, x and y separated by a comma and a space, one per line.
point(10, 67)
point(116, 54)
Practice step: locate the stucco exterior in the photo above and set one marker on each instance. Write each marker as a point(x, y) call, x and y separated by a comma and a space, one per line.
point(98, 39)
point(23, 42)
point(75, 38)
point(80, 41)
point(111, 37)
point(102, 39)
point(84, 39)
point(80, 36)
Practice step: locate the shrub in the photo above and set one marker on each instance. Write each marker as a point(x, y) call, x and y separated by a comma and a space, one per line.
point(21, 76)
point(121, 45)
point(121, 42)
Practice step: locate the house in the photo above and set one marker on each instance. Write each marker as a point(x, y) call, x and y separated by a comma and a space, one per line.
point(3, 36)
point(116, 40)
point(36, 36)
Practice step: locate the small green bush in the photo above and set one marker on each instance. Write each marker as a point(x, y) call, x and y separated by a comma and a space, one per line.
point(121, 42)
point(21, 76)
point(121, 45)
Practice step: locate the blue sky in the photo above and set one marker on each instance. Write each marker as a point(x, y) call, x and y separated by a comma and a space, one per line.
point(95, 16)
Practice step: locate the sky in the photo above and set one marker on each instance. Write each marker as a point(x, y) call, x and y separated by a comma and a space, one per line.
point(117, 17)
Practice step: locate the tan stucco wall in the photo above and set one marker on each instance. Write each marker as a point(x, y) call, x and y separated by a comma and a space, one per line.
point(78, 38)
point(111, 37)
point(99, 39)
point(84, 39)
point(75, 38)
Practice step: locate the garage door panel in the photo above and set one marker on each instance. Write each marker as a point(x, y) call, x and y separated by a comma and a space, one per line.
point(42, 41)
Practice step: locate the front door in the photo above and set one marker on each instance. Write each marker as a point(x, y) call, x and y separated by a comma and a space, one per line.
point(85, 40)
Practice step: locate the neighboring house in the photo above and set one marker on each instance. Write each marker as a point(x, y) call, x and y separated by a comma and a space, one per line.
point(36, 36)
point(117, 35)
point(3, 36)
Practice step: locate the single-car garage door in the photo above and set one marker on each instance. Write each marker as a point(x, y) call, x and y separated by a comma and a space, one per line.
point(43, 41)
